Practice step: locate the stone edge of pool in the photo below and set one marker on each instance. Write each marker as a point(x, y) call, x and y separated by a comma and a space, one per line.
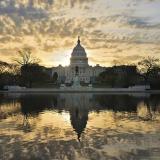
point(87, 90)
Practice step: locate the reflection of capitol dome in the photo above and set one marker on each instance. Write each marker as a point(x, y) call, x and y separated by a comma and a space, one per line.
point(79, 120)
point(78, 105)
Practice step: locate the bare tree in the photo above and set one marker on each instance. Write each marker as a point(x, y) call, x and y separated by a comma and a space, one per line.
point(116, 62)
point(25, 57)
point(3, 67)
point(146, 67)
point(14, 69)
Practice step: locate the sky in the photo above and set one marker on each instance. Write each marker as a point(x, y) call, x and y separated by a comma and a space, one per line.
point(112, 31)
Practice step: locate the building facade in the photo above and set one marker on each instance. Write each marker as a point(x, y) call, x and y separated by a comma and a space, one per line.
point(78, 65)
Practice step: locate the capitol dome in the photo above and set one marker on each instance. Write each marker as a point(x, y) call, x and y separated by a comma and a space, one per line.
point(79, 56)
point(79, 50)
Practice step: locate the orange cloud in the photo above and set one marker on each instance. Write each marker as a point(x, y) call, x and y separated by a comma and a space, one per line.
point(109, 30)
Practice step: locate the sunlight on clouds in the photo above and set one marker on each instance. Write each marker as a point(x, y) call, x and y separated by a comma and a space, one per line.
point(109, 29)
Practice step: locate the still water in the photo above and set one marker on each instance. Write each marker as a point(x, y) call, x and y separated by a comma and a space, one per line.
point(79, 126)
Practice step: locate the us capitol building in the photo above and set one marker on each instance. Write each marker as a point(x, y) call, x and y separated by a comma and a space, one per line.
point(78, 65)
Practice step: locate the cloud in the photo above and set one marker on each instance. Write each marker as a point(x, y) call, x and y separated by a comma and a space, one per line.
point(13, 7)
point(109, 29)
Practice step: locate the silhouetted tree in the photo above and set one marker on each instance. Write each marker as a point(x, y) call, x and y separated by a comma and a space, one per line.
point(8, 74)
point(25, 57)
point(154, 78)
point(3, 66)
point(30, 70)
point(31, 73)
point(108, 77)
point(147, 66)
point(119, 76)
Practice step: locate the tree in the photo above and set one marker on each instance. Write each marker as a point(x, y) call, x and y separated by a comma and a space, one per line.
point(14, 72)
point(25, 57)
point(30, 70)
point(31, 73)
point(3, 69)
point(108, 77)
point(8, 74)
point(3, 66)
point(147, 66)
point(154, 78)
point(119, 76)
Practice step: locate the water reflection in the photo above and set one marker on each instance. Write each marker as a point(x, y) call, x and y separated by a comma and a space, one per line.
point(101, 123)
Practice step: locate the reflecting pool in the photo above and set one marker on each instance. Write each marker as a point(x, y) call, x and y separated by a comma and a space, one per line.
point(79, 127)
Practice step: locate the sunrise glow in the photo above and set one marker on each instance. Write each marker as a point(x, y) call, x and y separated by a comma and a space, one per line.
point(110, 30)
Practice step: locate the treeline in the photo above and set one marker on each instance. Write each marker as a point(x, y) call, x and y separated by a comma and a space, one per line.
point(24, 71)
point(146, 72)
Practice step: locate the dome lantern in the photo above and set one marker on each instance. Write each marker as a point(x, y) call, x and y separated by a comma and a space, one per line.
point(79, 42)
